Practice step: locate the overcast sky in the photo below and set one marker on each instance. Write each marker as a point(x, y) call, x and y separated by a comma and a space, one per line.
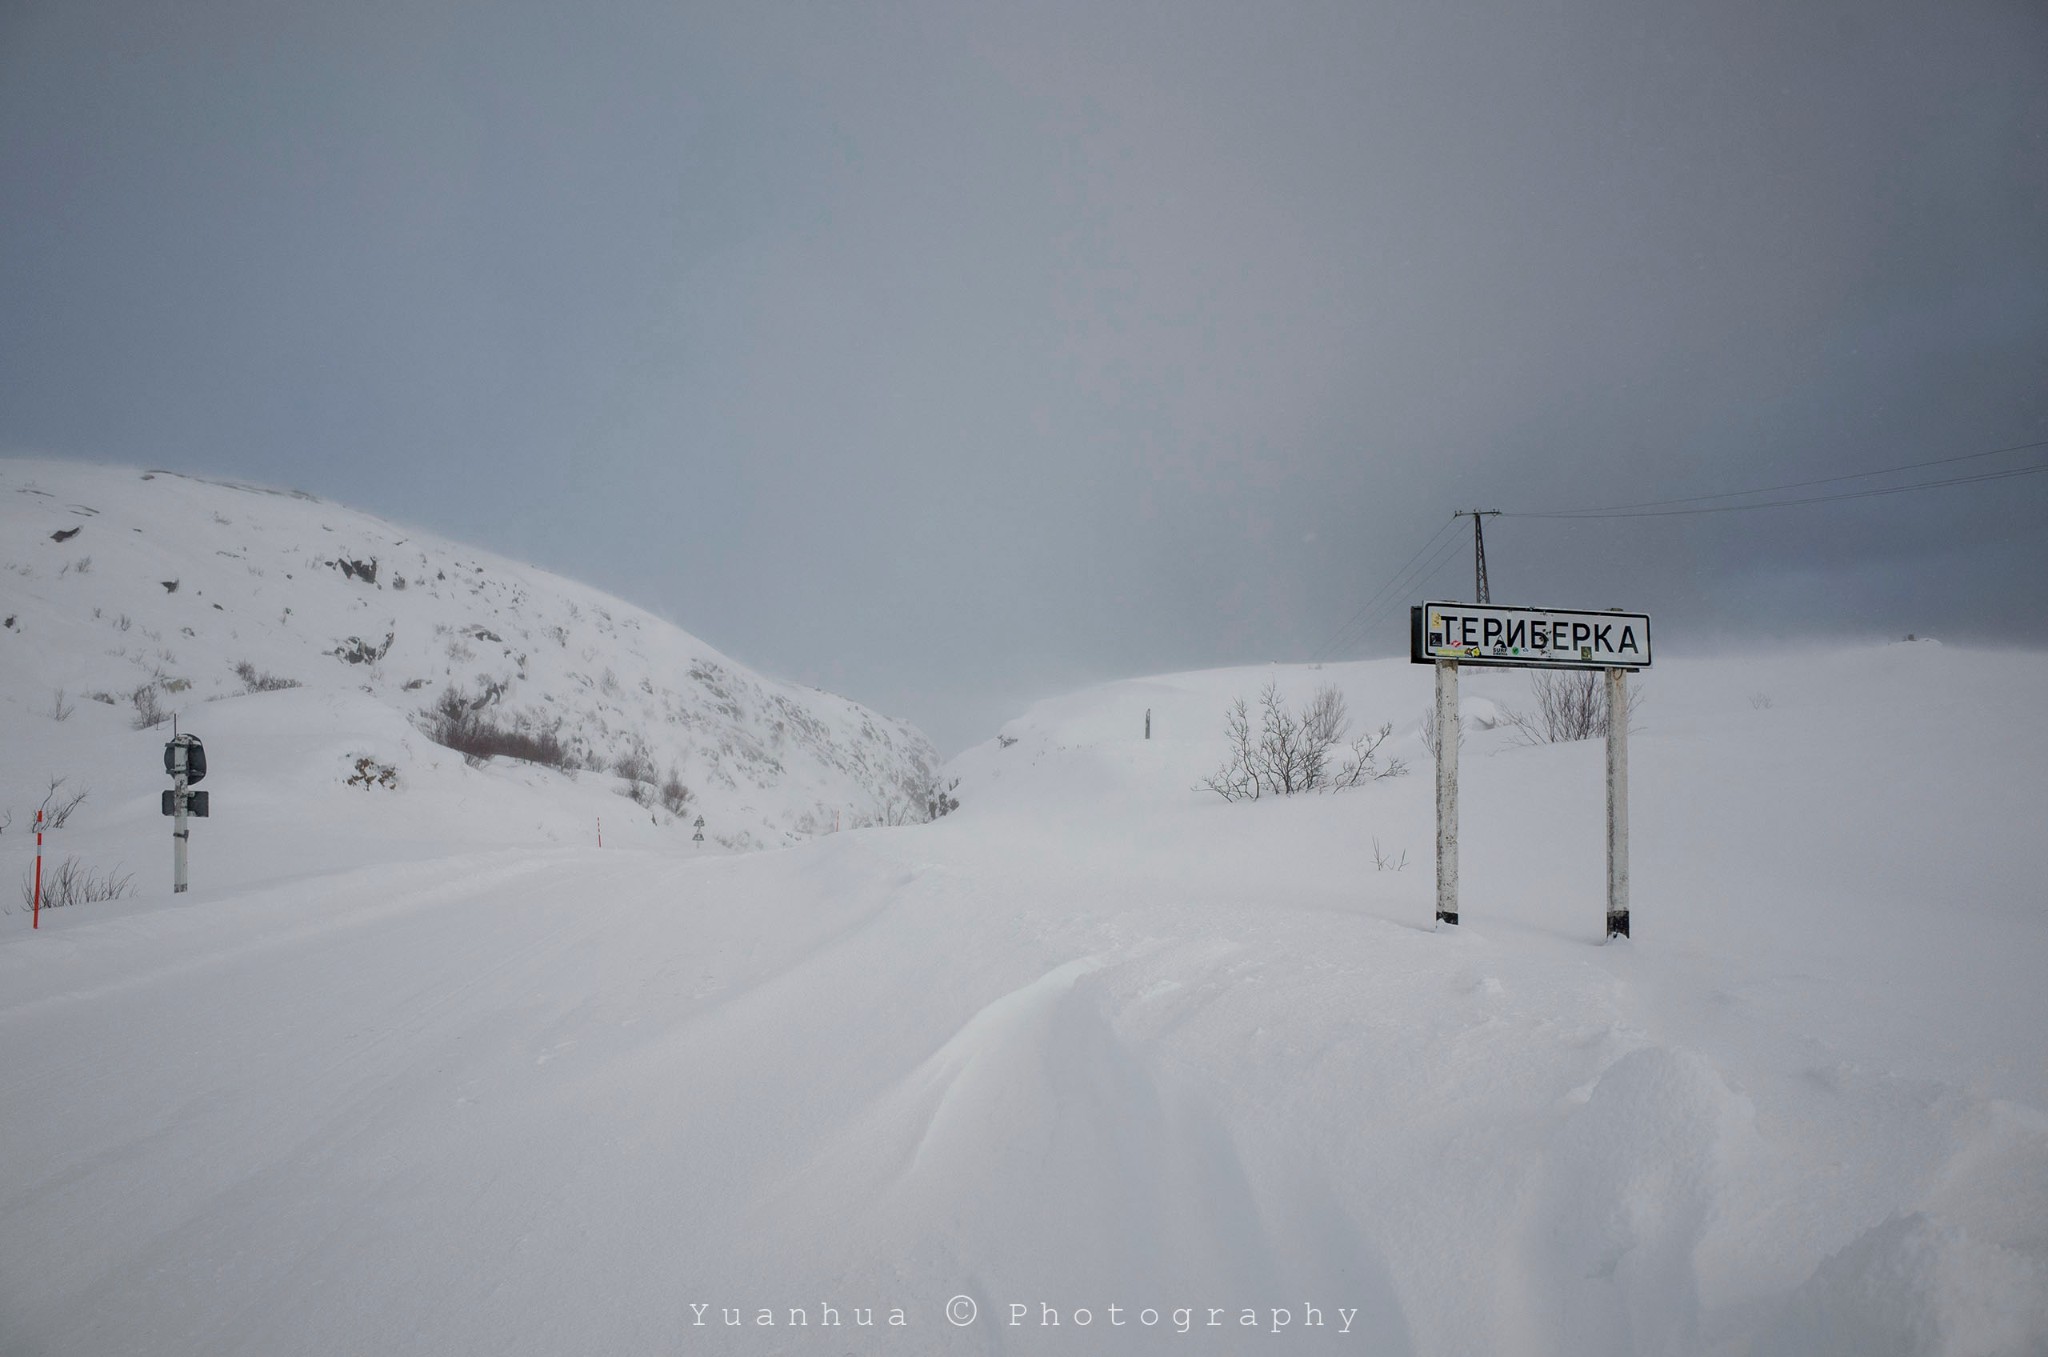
point(947, 355)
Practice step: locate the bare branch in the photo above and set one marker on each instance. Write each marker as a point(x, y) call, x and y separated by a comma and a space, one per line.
point(1570, 705)
point(1292, 753)
point(57, 807)
point(73, 883)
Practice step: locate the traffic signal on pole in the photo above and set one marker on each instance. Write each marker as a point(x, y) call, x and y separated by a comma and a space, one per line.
point(185, 755)
point(196, 803)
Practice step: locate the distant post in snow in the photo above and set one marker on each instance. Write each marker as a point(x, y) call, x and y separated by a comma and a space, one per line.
point(1447, 792)
point(1148, 723)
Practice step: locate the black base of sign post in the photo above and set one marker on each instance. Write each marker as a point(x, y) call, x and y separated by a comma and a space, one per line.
point(1617, 924)
point(1447, 916)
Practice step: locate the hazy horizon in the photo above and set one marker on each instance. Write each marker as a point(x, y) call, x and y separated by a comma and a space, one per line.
point(948, 358)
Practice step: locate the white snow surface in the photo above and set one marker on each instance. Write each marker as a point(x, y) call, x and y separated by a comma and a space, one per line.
point(375, 622)
point(383, 1082)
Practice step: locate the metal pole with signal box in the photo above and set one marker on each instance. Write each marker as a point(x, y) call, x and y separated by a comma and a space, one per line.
point(1448, 635)
point(185, 761)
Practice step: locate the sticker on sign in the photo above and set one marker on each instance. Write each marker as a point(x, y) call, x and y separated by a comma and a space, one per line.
point(1540, 638)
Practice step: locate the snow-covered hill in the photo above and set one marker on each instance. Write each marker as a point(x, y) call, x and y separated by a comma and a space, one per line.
point(244, 610)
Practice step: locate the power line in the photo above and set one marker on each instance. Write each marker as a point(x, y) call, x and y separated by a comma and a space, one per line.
point(1621, 510)
point(1397, 590)
point(1790, 503)
point(1420, 587)
point(1352, 621)
point(1394, 594)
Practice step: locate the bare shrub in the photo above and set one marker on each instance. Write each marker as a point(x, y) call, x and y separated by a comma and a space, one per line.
point(1571, 704)
point(148, 711)
point(255, 682)
point(1760, 701)
point(636, 764)
point(1383, 861)
point(458, 721)
point(919, 801)
point(675, 797)
point(71, 882)
point(57, 807)
point(1364, 763)
point(60, 710)
point(1295, 752)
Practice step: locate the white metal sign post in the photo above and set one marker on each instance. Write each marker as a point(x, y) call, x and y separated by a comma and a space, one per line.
point(1447, 791)
point(1448, 635)
point(1617, 803)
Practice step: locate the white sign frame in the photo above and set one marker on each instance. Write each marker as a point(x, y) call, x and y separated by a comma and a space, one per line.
point(1448, 635)
point(1526, 638)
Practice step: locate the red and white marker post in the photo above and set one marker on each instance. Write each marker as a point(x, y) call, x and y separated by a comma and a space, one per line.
point(36, 910)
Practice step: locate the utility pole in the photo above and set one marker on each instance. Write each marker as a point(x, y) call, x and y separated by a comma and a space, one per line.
point(1478, 516)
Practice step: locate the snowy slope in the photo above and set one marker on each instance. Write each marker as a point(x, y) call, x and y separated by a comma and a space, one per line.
point(117, 581)
point(1098, 1043)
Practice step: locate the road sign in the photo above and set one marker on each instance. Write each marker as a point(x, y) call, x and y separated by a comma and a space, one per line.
point(196, 804)
point(1451, 635)
point(185, 756)
point(1530, 638)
